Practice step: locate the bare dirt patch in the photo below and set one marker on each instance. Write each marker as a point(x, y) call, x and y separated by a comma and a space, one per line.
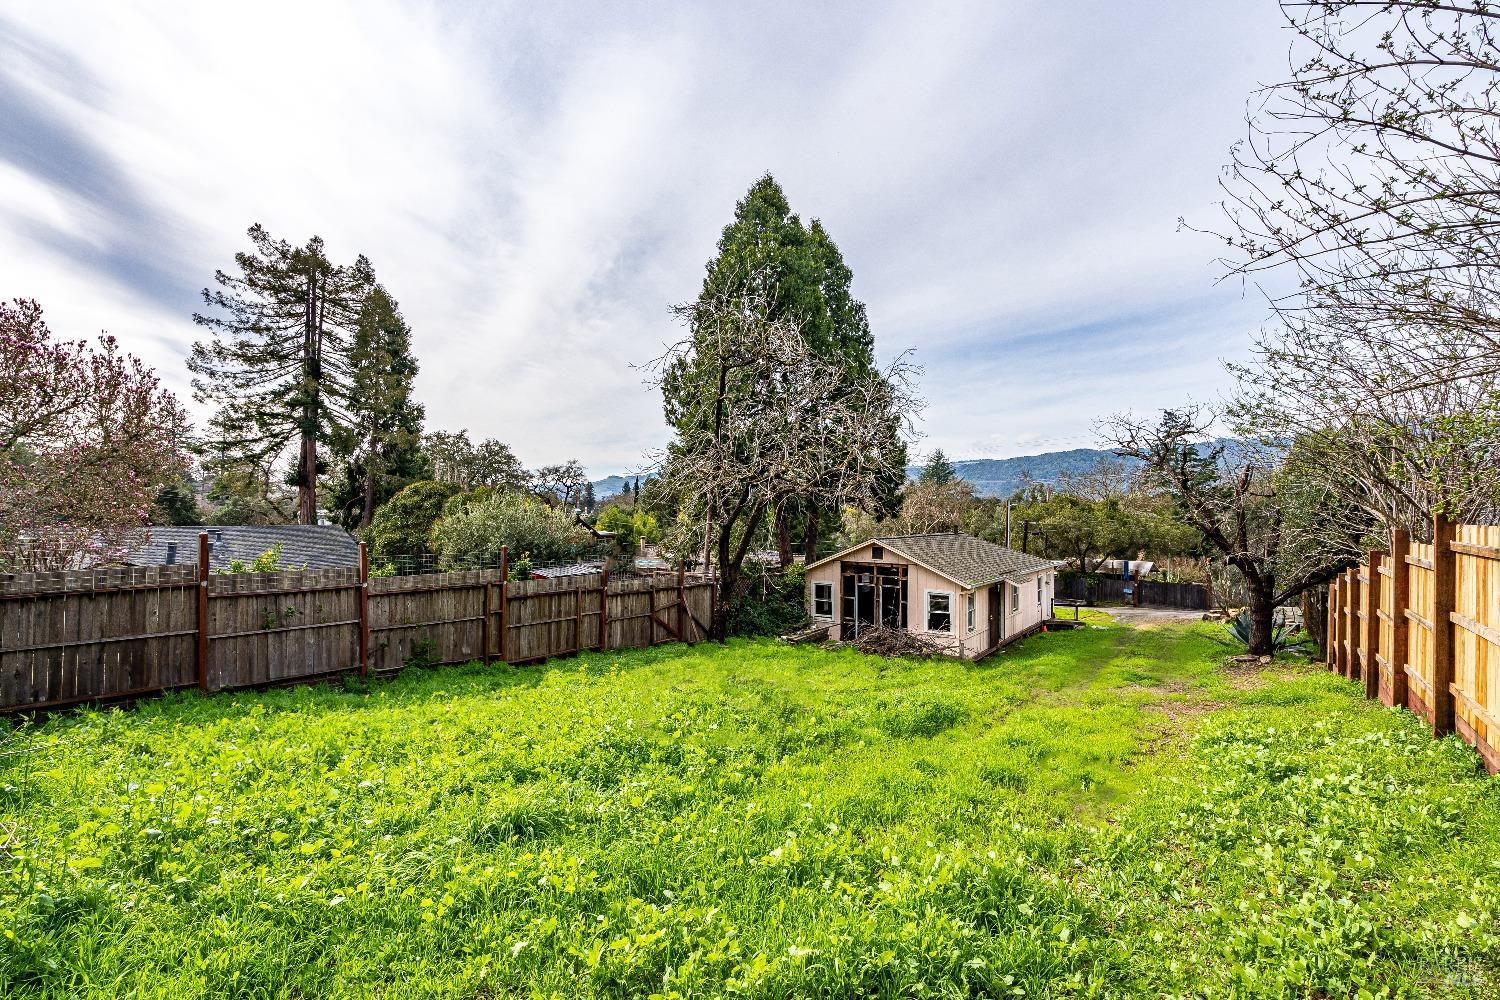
point(1151, 617)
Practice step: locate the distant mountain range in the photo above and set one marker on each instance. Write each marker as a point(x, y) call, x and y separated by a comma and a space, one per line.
point(611, 486)
point(1000, 477)
point(991, 477)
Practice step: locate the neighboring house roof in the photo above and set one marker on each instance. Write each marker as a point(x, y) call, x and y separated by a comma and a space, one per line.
point(962, 558)
point(572, 569)
point(316, 546)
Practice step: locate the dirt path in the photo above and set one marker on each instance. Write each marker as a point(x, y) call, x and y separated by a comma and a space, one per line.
point(1151, 616)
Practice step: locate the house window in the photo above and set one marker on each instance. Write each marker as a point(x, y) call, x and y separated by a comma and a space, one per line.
point(972, 617)
point(1015, 598)
point(822, 600)
point(1039, 590)
point(939, 611)
point(876, 552)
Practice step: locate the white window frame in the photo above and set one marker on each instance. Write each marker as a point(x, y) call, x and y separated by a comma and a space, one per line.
point(970, 611)
point(1015, 598)
point(1038, 591)
point(927, 612)
point(822, 583)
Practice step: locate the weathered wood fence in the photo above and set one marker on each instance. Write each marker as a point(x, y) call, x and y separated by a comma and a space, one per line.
point(70, 638)
point(1419, 626)
point(1148, 593)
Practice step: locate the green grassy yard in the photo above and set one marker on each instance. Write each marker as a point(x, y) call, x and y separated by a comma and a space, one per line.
point(1106, 812)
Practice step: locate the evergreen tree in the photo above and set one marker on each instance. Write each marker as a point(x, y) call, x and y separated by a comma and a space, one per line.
point(383, 446)
point(797, 271)
point(278, 367)
point(176, 505)
point(938, 471)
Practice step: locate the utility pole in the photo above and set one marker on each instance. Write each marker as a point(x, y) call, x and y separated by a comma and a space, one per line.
point(1007, 524)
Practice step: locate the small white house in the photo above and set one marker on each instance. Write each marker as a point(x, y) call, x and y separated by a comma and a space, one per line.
point(966, 594)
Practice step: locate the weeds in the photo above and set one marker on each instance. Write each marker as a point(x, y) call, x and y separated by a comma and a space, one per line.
point(756, 820)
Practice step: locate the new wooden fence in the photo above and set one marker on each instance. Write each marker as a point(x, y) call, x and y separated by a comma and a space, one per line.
point(1419, 626)
point(69, 638)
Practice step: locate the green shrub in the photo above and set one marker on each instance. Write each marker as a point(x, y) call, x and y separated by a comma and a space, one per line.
point(403, 524)
point(473, 535)
point(631, 527)
point(770, 602)
point(268, 561)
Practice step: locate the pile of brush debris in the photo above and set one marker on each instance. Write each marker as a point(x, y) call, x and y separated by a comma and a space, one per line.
point(877, 640)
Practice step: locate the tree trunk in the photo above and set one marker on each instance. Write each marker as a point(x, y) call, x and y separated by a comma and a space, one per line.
point(1262, 611)
point(731, 568)
point(368, 514)
point(811, 531)
point(307, 488)
point(783, 536)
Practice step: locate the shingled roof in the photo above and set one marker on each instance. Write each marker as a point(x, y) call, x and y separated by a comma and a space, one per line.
point(965, 559)
point(316, 546)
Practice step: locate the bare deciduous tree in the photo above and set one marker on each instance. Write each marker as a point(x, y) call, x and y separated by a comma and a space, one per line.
point(760, 418)
point(1373, 171)
point(1372, 174)
point(1388, 429)
point(1251, 506)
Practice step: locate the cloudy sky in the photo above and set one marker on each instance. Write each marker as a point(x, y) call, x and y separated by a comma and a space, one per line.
point(537, 183)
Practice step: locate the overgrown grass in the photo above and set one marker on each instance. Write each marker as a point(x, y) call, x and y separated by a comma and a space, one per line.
point(1101, 812)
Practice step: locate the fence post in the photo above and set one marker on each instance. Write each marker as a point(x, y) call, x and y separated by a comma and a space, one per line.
point(578, 644)
point(1373, 591)
point(651, 612)
point(203, 611)
point(1331, 627)
point(1354, 633)
point(1444, 574)
point(364, 611)
point(504, 604)
point(604, 610)
point(484, 622)
point(682, 615)
point(1334, 618)
point(1343, 664)
point(1400, 601)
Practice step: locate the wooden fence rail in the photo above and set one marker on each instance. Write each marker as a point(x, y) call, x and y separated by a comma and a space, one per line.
point(75, 637)
point(1419, 627)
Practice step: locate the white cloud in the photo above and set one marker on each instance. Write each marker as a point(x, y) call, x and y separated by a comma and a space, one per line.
point(536, 186)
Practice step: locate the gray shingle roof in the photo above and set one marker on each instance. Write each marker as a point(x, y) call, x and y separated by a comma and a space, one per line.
point(965, 559)
point(317, 546)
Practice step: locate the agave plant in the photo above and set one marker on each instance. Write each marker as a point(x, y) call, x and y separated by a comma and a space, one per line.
point(1285, 636)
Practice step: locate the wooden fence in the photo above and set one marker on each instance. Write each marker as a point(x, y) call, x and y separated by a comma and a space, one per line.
point(1148, 593)
point(70, 638)
point(1419, 626)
